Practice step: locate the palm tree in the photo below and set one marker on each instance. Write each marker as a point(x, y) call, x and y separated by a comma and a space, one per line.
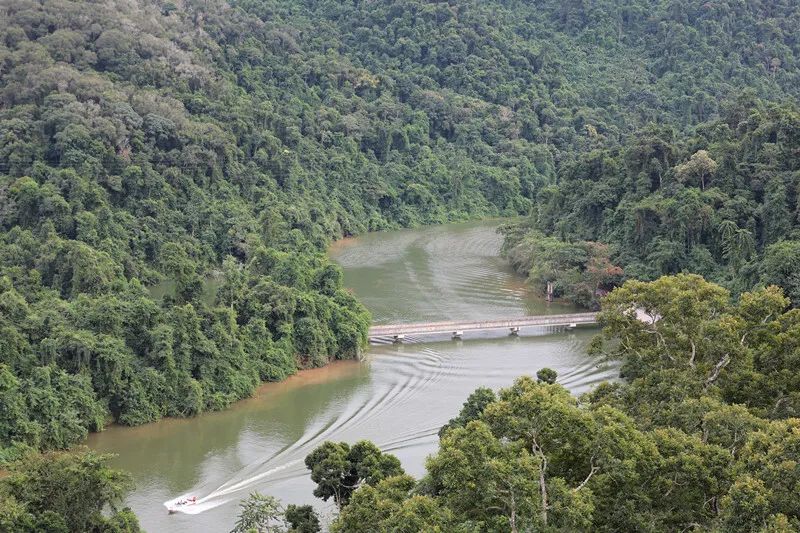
point(744, 244)
point(737, 243)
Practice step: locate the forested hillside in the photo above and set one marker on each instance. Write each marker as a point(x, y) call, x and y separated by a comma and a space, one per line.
point(706, 186)
point(202, 144)
point(721, 201)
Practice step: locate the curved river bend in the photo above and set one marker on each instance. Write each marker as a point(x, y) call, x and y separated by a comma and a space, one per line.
point(398, 397)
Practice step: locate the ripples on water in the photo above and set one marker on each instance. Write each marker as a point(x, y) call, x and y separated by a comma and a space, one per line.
point(398, 398)
point(441, 273)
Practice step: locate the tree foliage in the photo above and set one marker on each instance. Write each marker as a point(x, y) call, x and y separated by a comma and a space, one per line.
point(302, 519)
point(62, 492)
point(170, 172)
point(339, 469)
point(727, 211)
point(260, 514)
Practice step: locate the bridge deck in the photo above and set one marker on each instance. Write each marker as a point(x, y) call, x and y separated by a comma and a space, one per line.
point(430, 328)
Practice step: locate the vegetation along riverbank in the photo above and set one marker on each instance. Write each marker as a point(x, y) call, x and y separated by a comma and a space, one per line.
point(152, 140)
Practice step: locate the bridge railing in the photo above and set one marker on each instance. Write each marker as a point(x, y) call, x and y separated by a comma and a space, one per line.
point(464, 325)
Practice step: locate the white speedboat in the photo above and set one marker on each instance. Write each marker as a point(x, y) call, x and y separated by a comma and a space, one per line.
point(183, 502)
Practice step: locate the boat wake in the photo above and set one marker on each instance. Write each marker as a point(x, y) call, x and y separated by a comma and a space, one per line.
point(183, 504)
point(409, 384)
point(362, 417)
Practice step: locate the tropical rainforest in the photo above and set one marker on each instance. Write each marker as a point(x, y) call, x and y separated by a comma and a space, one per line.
point(172, 171)
point(722, 201)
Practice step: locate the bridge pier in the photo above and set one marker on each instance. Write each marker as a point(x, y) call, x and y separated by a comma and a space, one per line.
point(458, 334)
point(514, 331)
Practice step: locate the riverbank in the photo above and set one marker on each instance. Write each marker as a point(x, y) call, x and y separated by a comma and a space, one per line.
point(398, 397)
point(265, 392)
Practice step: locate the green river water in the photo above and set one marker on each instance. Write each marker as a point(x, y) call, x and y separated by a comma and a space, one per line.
point(397, 397)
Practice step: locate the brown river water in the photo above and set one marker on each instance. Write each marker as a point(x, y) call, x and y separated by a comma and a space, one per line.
point(398, 397)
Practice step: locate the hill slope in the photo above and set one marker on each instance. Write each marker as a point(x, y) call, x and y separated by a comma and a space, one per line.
point(197, 144)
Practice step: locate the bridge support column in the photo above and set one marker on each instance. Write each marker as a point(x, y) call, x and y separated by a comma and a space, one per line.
point(399, 338)
point(514, 331)
point(458, 334)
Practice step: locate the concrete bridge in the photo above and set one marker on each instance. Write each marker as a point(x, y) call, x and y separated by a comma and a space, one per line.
point(456, 328)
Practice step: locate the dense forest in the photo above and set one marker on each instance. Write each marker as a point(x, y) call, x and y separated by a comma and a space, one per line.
point(706, 187)
point(172, 171)
point(722, 201)
point(195, 144)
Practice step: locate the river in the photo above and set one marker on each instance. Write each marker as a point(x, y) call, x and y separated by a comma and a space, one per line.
point(398, 396)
